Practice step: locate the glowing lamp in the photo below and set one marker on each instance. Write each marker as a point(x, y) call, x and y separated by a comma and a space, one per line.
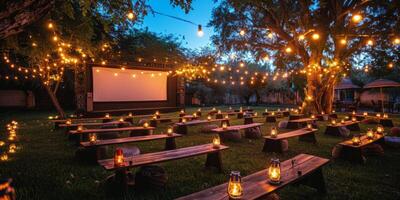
point(266, 110)
point(385, 116)
point(194, 115)
point(182, 111)
point(130, 115)
point(273, 113)
point(309, 126)
point(353, 113)
point(378, 115)
point(333, 111)
point(235, 190)
point(157, 113)
point(107, 116)
point(274, 172)
point(356, 140)
point(68, 122)
point(119, 158)
point(11, 138)
point(12, 148)
point(370, 134)
point(216, 142)
point(50, 117)
point(170, 131)
point(2, 143)
point(219, 111)
point(209, 117)
point(154, 117)
point(146, 125)
point(322, 113)
point(356, 18)
point(274, 132)
point(13, 133)
point(287, 109)
point(92, 138)
point(255, 114)
point(312, 116)
point(230, 108)
point(379, 129)
point(353, 119)
point(224, 125)
point(199, 110)
point(279, 110)
point(333, 122)
point(226, 116)
point(121, 119)
point(365, 114)
point(213, 109)
point(347, 117)
point(79, 128)
point(342, 121)
point(4, 157)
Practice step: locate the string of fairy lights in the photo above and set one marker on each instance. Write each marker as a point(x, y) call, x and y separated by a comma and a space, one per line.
point(51, 69)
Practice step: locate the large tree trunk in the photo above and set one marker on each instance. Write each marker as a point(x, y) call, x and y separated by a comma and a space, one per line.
point(54, 100)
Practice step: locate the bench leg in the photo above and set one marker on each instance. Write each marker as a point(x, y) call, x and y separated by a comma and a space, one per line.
point(170, 143)
point(214, 160)
point(353, 127)
point(240, 115)
point(352, 155)
point(248, 120)
point(153, 123)
point(181, 129)
point(308, 138)
point(272, 146)
point(315, 180)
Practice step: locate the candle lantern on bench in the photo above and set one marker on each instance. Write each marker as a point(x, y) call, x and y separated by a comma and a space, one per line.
point(146, 125)
point(342, 121)
point(92, 138)
point(119, 158)
point(107, 116)
point(333, 122)
point(170, 131)
point(379, 129)
point(370, 134)
point(356, 140)
point(130, 115)
point(274, 172)
point(309, 126)
point(235, 190)
point(353, 119)
point(322, 113)
point(353, 113)
point(273, 113)
point(121, 119)
point(183, 120)
point(209, 118)
point(224, 125)
point(274, 132)
point(385, 116)
point(12, 148)
point(365, 114)
point(312, 116)
point(216, 142)
point(194, 115)
point(4, 157)
point(378, 115)
point(79, 128)
point(266, 110)
point(68, 122)
point(226, 117)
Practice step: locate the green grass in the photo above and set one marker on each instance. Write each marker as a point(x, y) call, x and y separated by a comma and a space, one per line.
point(45, 168)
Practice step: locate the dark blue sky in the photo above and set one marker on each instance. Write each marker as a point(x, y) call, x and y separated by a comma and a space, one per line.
point(201, 14)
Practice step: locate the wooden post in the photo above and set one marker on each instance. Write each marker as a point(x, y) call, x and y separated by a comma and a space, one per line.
point(170, 143)
point(181, 129)
point(214, 160)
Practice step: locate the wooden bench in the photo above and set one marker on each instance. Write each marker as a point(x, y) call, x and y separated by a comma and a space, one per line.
point(86, 124)
point(93, 147)
point(295, 116)
point(307, 170)
point(354, 153)
point(121, 181)
point(386, 122)
point(249, 119)
point(232, 132)
point(154, 121)
point(134, 131)
point(182, 128)
point(339, 128)
point(299, 123)
point(274, 144)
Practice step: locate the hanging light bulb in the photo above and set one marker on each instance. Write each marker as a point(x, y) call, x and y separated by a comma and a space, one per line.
point(288, 50)
point(396, 41)
point(356, 18)
point(242, 32)
point(343, 41)
point(131, 15)
point(200, 32)
point(315, 36)
point(370, 42)
point(301, 37)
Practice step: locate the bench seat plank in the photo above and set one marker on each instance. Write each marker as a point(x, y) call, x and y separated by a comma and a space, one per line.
point(237, 127)
point(94, 124)
point(290, 134)
point(256, 185)
point(131, 128)
point(158, 157)
point(128, 140)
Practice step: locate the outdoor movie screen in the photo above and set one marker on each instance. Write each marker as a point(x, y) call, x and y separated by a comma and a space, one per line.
point(117, 85)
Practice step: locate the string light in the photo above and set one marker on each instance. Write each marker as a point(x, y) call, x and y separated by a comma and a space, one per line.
point(356, 18)
point(315, 36)
point(131, 15)
point(242, 32)
point(200, 32)
point(288, 50)
point(343, 41)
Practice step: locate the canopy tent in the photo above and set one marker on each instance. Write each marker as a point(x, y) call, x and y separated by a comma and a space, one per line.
point(381, 83)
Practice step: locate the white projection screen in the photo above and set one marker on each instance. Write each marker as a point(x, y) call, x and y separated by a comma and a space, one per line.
point(117, 85)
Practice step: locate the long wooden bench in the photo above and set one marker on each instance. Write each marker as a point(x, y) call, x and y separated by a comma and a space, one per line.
point(307, 170)
point(354, 153)
point(155, 121)
point(182, 128)
point(93, 147)
point(88, 124)
point(274, 144)
point(299, 123)
point(295, 116)
point(339, 128)
point(134, 131)
point(232, 132)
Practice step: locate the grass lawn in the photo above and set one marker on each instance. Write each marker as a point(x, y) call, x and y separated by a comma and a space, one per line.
point(44, 166)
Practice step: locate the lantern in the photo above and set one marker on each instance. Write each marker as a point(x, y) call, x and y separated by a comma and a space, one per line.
point(194, 115)
point(342, 121)
point(50, 117)
point(370, 134)
point(154, 117)
point(214, 109)
point(80, 128)
point(273, 113)
point(279, 110)
point(346, 117)
point(353, 113)
point(199, 110)
point(287, 109)
point(356, 140)
point(353, 119)
point(224, 125)
point(309, 126)
point(107, 116)
point(365, 114)
point(118, 158)
point(333, 111)
point(4, 157)
point(230, 108)
point(12, 148)
point(13, 133)
point(226, 116)
point(274, 132)
point(378, 115)
point(130, 115)
point(146, 125)
point(379, 129)
point(333, 122)
point(274, 172)
point(385, 116)
point(241, 109)
point(7, 192)
point(216, 142)
point(68, 122)
point(266, 110)
point(219, 111)
point(92, 138)
point(11, 138)
point(209, 118)
point(312, 116)
point(2, 143)
point(322, 113)
point(255, 114)
point(170, 131)
point(235, 190)
point(121, 119)
point(183, 120)
point(157, 113)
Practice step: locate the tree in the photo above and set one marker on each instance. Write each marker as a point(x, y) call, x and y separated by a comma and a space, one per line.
point(46, 37)
point(317, 38)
